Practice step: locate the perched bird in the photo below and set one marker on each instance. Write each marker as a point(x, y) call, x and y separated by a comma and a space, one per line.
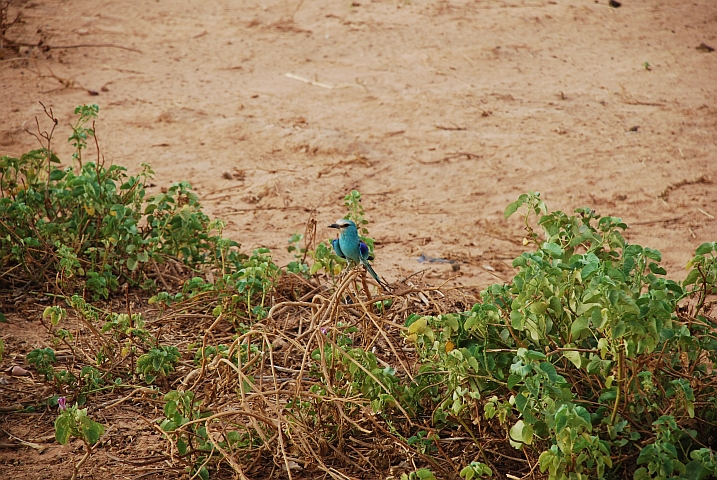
point(350, 247)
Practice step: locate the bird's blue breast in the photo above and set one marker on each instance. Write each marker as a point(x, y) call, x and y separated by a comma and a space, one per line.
point(349, 243)
point(337, 248)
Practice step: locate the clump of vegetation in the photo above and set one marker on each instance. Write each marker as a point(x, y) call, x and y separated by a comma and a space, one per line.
point(73, 422)
point(583, 364)
point(93, 227)
point(584, 359)
point(589, 363)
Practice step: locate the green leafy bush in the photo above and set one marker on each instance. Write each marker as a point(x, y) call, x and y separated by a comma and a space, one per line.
point(90, 226)
point(159, 361)
point(43, 359)
point(587, 350)
point(73, 422)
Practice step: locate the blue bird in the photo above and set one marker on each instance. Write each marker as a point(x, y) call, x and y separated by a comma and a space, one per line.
point(350, 247)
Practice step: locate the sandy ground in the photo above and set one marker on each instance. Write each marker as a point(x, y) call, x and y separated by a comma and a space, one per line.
point(439, 112)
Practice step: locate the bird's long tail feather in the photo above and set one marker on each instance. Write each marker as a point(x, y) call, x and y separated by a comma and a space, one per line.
point(370, 270)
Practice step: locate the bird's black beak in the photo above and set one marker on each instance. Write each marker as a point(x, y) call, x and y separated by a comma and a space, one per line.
point(334, 225)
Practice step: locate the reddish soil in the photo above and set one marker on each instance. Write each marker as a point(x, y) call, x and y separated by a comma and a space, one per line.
point(439, 112)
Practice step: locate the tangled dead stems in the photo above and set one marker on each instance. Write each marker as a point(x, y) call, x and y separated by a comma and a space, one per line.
point(284, 386)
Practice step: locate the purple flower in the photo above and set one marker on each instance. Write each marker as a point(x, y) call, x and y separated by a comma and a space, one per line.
point(62, 403)
point(324, 330)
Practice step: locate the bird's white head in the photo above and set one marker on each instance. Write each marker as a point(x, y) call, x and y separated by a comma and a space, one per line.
point(342, 224)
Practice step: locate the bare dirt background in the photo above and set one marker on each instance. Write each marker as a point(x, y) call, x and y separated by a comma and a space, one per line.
point(439, 112)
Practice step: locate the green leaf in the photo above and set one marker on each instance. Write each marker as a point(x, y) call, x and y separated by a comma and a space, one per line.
point(608, 395)
point(521, 401)
point(556, 306)
point(513, 380)
point(56, 175)
point(603, 346)
point(641, 474)
point(653, 254)
point(474, 364)
point(579, 326)
point(619, 330)
point(489, 410)
point(691, 277)
point(425, 474)
point(315, 268)
point(181, 446)
point(587, 307)
point(588, 270)
point(632, 251)
point(585, 416)
point(511, 209)
point(538, 308)
point(549, 369)
point(132, 263)
point(546, 460)
point(656, 269)
point(674, 287)
point(613, 295)
point(92, 430)
point(203, 473)
point(517, 320)
point(646, 454)
point(561, 418)
point(419, 326)
point(167, 425)
point(520, 432)
point(468, 473)
point(573, 357)
point(63, 425)
point(704, 249)
point(520, 261)
point(594, 366)
point(600, 318)
point(628, 265)
point(553, 249)
point(533, 355)
point(451, 321)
